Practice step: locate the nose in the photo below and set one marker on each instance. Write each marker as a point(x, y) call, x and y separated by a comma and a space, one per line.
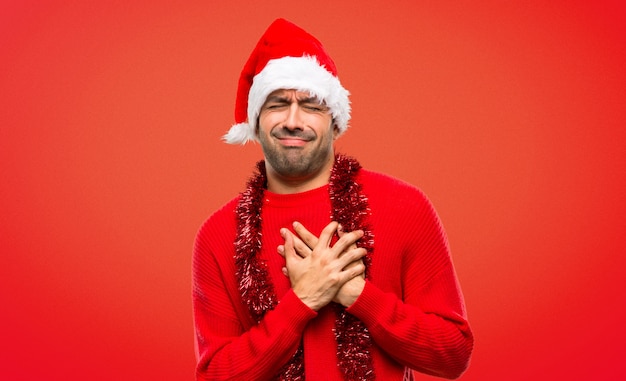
point(293, 120)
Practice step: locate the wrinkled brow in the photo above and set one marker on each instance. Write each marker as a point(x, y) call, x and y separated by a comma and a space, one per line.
point(310, 99)
point(285, 99)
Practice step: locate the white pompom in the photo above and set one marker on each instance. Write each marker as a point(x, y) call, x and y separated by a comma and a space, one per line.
point(240, 133)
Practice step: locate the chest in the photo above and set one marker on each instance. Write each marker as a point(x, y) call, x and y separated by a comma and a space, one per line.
point(314, 216)
point(390, 250)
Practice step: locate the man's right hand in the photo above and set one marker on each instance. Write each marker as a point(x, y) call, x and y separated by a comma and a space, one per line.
point(317, 276)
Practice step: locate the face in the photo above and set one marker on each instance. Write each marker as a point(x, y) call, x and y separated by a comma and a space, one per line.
point(296, 133)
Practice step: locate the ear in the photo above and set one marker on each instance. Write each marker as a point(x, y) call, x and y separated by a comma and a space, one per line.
point(335, 131)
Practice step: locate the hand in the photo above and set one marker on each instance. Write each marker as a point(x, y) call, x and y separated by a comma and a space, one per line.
point(351, 290)
point(305, 245)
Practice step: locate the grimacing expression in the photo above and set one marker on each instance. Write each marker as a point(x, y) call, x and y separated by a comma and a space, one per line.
point(296, 133)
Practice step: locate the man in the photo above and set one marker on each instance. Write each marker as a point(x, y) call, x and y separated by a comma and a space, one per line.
point(319, 270)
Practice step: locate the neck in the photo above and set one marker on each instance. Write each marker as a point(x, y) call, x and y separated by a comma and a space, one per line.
point(281, 184)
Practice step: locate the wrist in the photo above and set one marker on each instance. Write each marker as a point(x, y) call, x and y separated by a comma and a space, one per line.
point(350, 292)
point(312, 301)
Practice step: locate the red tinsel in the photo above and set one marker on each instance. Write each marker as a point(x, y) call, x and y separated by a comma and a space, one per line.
point(350, 209)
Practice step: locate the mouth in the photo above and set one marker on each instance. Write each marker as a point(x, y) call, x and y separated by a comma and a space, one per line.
point(292, 142)
point(293, 138)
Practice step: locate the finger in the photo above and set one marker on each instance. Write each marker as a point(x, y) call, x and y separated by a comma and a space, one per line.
point(347, 240)
point(288, 248)
point(341, 233)
point(352, 258)
point(302, 249)
point(356, 270)
point(353, 271)
point(281, 250)
point(292, 258)
point(307, 237)
point(327, 234)
point(353, 263)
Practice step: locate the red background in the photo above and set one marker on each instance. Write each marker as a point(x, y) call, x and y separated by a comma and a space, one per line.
point(509, 116)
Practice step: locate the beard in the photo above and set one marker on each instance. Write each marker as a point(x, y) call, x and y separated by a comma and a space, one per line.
point(297, 162)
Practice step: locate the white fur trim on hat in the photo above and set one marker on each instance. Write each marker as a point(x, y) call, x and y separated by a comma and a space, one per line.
point(240, 133)
point(294, 73)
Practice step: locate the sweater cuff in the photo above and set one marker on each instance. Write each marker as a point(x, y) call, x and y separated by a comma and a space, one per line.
point(299, 313)
point(369, 305)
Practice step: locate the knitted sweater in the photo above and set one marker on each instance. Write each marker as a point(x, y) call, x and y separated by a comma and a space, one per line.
point(411, 304)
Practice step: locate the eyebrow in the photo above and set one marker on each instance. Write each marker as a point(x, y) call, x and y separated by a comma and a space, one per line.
point(283, 99)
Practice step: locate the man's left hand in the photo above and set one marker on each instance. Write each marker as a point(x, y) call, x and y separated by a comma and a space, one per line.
point(304, 244)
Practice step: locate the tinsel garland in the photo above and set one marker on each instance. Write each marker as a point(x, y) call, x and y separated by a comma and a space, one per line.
point(349, 208)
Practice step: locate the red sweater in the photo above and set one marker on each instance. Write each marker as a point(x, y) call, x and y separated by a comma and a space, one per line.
point(411, 304)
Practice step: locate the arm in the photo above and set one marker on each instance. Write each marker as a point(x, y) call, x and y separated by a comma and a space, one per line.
point(433, 339)
point(227, 347)
point(426, 327)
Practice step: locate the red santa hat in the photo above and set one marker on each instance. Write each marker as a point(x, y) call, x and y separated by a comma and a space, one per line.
point(286, 57)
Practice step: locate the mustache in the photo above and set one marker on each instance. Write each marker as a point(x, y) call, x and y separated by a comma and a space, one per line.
point(284, 132)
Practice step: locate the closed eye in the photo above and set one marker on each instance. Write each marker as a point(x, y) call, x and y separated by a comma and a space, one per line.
point(275, 105)
point(315, 107)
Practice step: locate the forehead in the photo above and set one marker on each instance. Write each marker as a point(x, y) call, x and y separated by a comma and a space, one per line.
point(290, 93)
